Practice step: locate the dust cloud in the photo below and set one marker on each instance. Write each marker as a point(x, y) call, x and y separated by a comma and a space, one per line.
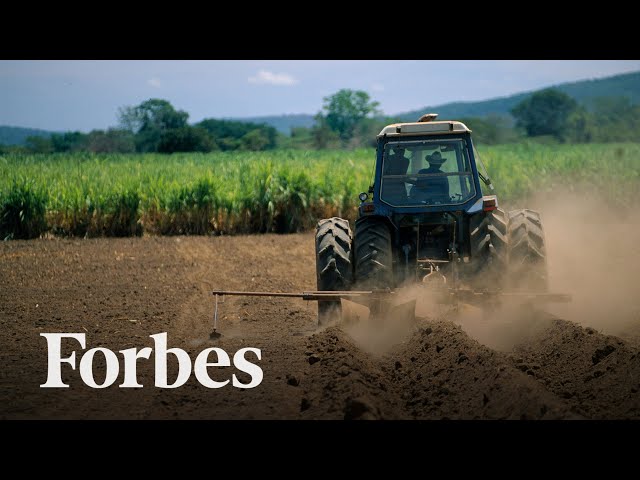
point(409, 306)
point(593, 252)
point(378, 336)
point(503, 327)
point(500, 327)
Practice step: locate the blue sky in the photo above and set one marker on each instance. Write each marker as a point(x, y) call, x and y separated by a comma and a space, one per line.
point(84, 95)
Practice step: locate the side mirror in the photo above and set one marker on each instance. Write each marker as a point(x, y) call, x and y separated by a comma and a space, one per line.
point(370, 188)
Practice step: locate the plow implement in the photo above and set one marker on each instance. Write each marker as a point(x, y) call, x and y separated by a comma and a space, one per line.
point(394, 303)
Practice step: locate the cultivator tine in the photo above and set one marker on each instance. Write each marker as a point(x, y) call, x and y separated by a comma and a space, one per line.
point(215, 334)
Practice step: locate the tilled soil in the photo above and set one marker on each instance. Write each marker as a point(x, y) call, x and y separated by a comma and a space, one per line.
point(120, 291)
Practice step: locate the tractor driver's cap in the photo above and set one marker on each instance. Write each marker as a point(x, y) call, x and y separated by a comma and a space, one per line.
point(435, 159)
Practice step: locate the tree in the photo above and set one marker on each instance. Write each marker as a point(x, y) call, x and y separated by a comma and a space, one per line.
point(301, 138)
point(185, 139)
point(492, 129)
point(615, 119)
point(545, 113)
point(580, 127)
point(68, 142)
point(37, 144)
point(612, 109)
point(321, 133)
point(254, 140)
point(367, 131)
point(234, 135)
point(346, 109)
point(111, 141)
point(150, 120)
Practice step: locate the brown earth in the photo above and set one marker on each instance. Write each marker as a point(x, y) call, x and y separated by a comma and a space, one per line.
point(517, 365)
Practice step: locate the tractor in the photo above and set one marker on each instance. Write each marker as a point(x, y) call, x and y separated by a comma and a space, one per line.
point(429, 217)
point(426, 221)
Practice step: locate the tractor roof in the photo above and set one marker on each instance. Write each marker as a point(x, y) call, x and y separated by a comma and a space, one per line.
point(424, 128)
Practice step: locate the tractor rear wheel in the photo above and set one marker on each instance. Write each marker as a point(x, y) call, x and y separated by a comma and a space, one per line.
point(373, 254)
point(334, 267)
point(489, 241)
point(527, 253)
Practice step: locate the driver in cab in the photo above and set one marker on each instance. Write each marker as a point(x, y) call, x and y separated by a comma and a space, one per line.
point(434, 189)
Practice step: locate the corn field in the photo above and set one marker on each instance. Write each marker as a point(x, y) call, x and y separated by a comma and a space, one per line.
point(253, 192)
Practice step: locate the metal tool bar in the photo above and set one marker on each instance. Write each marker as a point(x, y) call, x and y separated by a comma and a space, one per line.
point(330, 293)
point(315, 295)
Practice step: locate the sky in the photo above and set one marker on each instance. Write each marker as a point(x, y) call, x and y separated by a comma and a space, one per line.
point(86, 94)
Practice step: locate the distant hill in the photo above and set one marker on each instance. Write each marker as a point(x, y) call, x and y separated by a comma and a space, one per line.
point(282, 123)
point(584, 91)
point(18, 135)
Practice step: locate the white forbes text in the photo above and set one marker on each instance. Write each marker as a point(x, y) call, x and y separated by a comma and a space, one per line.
point(130, 358)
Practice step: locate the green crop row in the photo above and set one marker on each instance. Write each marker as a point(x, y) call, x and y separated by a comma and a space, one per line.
point(278, 191)
point(610, 171)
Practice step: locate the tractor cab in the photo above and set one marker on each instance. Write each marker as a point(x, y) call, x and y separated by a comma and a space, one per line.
point(425, 166)
point(428, 192)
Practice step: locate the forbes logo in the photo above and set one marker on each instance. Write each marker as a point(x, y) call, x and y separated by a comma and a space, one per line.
point(131, 356)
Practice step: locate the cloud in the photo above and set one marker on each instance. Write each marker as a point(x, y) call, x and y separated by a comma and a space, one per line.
point(154, 82)
point(267, 77)
point(377, 87)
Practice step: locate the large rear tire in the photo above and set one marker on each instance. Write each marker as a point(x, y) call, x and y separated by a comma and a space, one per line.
point(334, 267)
point(373, 254)
point(489, 240)
point(527, 252)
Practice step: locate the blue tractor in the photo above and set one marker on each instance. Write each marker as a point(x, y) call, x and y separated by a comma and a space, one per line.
point(427, 218)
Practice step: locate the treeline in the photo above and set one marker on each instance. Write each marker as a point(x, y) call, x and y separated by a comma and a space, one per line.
point(547, 116)
point(156, 126)
point(553, 116)
point(349, 119)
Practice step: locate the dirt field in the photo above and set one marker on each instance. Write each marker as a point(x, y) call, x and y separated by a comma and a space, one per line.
point(516, 365)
